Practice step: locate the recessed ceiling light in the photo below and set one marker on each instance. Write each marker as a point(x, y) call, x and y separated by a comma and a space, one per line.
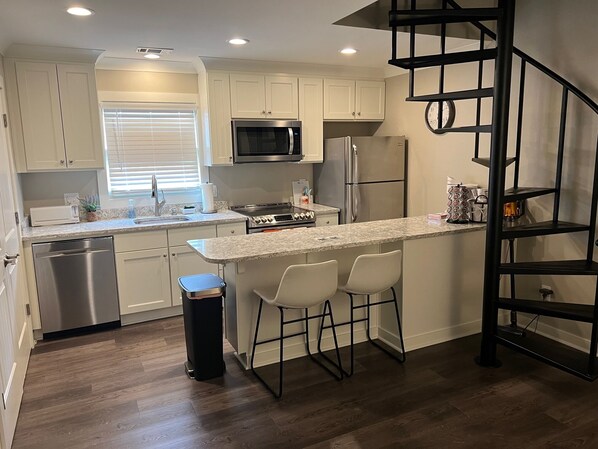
point(151, 56)
point(238, 41)
point(348, 51)
point(80, 11)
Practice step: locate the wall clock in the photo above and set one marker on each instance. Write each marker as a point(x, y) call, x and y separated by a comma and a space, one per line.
point(448, 116)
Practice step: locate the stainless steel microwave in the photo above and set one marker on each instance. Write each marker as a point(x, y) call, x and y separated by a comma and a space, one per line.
point(266, 141)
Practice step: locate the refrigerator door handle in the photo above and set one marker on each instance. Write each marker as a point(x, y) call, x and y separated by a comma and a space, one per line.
point(355, 166)
point(354, 202)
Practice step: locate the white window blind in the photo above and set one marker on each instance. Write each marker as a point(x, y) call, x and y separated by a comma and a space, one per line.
point(143, 140)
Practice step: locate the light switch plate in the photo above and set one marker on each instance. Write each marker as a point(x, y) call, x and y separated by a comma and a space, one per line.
point(71, 199)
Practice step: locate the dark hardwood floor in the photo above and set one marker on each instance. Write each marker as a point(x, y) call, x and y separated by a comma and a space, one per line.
point(127, 389)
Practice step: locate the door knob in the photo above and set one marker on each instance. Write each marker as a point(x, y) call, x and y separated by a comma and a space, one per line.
point(10, 260)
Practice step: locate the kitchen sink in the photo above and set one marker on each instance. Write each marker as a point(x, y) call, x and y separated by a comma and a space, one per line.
point(161, 219)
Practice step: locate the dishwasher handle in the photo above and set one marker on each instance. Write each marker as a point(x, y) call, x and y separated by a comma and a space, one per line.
point(71, 252)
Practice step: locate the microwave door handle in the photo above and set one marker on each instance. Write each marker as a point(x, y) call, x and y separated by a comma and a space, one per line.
point(291, 141)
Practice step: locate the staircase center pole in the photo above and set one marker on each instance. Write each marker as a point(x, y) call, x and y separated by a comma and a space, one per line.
point(496, 181)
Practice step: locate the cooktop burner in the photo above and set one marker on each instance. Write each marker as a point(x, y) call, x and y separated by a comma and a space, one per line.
point(276, 214)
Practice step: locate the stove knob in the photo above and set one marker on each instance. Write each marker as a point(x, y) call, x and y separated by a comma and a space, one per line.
point(302, 215)
point(296, 216)
point(258, 219)
point(311, 214)
point(270, 219)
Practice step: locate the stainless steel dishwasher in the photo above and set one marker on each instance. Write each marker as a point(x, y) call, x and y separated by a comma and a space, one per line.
point(76, 285)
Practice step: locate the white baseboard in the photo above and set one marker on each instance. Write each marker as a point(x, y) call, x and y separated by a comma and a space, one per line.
point(434, 337)
point(566, 338)
point(135, 318)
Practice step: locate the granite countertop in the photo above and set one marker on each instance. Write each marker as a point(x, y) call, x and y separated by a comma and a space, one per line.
point(119, 226)
point(319, 208)
point(310, 240)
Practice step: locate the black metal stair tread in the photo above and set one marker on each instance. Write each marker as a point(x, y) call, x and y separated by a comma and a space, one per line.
point(550, 351)
point(567, 267)
point(456, 95)
point(521, 193)
point(468, 129)
point(542, 228)
point(441, 16)
point(448, 58)
point(485, 161)
point(563, 310)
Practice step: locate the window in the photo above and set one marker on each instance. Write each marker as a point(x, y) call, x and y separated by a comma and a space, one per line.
point(145, 140)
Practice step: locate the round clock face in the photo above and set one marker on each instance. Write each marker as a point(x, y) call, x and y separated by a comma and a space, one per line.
point(448, 115)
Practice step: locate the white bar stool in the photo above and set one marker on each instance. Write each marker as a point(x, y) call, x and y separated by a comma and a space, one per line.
point(301, 287)
point(372, 274)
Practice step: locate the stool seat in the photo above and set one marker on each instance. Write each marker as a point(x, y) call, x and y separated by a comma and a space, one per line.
point(301, 287)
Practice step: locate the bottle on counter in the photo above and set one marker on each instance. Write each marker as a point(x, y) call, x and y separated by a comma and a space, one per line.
point(131, 208)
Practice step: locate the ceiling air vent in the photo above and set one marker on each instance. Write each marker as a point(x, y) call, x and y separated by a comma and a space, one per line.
point(154, 51)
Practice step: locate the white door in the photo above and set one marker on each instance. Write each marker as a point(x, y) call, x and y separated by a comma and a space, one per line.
point(15, 332)
point(370, 100)
point(282, 101)
point(247, 96)
point(339, 99)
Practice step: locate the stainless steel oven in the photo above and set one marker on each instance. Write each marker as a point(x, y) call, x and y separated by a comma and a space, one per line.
point(266, 141)
point(275, 217)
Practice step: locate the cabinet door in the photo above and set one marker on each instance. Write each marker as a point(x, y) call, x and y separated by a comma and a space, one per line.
point(369, 100)
point(184, 261)
point(143, 280)
point(311, 114)
point(326, 220)
point(218, 143)
point(339, 99)
point(247, 96)
point(282, 97)
point(40, 115)
point(80, 116)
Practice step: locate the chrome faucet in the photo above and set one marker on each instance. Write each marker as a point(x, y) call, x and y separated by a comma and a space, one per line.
point(157, 204)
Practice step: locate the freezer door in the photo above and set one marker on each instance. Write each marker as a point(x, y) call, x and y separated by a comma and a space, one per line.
point(373, 159)
point(376, 201)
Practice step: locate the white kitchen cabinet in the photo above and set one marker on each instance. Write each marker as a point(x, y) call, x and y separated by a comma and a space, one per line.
point(311, 114)
point(143, 280)
point(230, 229)
point(323, 219)
point(354, 100)
point(259, 97)
point(216, 120)
point(184, 261)
point(59, 117)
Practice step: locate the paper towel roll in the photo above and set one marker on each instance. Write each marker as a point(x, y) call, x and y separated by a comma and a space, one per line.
point(207, 198)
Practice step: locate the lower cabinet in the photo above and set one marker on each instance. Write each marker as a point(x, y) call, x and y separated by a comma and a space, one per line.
point(143, 280)
point(326, 219)
point(149, 264)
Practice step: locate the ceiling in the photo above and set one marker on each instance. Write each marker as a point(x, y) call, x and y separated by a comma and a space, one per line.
point(279, 30)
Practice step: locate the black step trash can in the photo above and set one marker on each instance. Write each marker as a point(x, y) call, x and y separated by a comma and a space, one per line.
point(202, 314)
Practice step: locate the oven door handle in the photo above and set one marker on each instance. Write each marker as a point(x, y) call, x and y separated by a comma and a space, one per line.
point(291, 141)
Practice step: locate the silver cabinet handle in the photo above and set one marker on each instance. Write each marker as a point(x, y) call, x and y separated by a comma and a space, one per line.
point(71, 162)
point(359, 113)
point(264, 112)
point(353, 113)
point(10, 260)
point(232, 232)
point(270, 112)
point(61, 161)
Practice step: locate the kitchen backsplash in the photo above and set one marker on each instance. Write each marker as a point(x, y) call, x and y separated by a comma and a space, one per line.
point(146, 211)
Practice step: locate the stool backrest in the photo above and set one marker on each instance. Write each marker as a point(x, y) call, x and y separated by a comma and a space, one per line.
point(307, 285)
point(374, 273)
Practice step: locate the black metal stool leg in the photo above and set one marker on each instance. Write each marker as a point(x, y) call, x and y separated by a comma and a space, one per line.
point(324, 356)
point(401, 358)
point(278, 394)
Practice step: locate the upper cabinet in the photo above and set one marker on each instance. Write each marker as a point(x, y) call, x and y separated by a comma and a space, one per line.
point(216, 118)
point(354, 100)
point(312, 119)
point(57, 107)
point(263, 97)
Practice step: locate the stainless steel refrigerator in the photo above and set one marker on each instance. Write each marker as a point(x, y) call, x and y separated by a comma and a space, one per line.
point(363, 176)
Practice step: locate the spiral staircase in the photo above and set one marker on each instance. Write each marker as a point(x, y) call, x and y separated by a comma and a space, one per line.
point(576, 362)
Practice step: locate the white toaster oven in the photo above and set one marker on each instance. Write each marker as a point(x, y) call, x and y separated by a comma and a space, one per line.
point(54, 215)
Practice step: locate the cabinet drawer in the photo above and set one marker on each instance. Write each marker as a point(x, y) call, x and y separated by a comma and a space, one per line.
point(327, 220)
point(179, 237)
point(228, 229)
point(136, 241)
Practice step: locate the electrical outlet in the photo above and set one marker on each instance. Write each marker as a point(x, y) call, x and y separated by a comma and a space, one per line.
point(544, 295)
point(71, 199)
point(215, 191)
